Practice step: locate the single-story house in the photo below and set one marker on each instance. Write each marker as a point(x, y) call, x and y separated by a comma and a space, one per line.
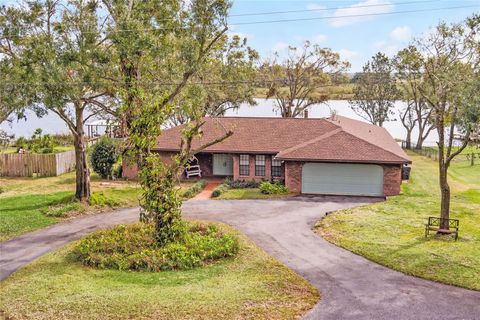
point(335, 155)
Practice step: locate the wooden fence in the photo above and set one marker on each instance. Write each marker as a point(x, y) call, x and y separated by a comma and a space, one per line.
point(29, 165)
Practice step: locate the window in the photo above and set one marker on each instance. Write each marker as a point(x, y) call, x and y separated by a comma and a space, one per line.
point(244, 165)
point(259, 165)
point(276, 167)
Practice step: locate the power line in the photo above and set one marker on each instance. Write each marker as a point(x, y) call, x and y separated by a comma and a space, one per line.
point(354, 15)
point(326, 9)
point(300, 19)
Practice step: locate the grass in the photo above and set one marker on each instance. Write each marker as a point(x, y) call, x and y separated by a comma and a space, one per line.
point(391, 233)
point(250, 286)
point(28, 212)
point(247, 193)
point(27, 204)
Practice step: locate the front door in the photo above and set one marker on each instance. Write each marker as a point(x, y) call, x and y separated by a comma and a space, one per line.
point(222, 165)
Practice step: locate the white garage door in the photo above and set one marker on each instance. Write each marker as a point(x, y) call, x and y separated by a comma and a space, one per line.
point(342, 179)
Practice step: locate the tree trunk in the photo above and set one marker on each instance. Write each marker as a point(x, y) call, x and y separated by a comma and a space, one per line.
point(408, 139)
point(82, 191)
point(445, 197)
point(443, 168)
point(419, 144)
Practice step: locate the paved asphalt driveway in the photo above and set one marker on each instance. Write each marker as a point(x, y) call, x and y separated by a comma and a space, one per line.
point(351, 286)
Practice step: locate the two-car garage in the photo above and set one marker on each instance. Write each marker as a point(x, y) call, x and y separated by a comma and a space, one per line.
point(342, 179)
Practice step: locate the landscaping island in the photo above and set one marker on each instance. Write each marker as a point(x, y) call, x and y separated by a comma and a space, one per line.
point(248, 285)
point(391, 233)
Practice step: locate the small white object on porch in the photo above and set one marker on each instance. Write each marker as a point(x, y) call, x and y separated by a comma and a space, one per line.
point(193, 168)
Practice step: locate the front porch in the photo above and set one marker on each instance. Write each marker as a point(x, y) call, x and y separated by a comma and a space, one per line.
point(240, 166)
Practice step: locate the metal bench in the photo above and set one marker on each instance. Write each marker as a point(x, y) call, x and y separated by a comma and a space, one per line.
point(440, 225)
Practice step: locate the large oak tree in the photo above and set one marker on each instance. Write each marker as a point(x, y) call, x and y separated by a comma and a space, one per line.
point(295, 80)
point(375, 91)
point(451, 86)
point(56, 60)
point(417, 113)
point(159, 46)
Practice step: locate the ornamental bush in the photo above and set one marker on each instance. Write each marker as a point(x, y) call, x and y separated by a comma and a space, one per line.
point(134, 248)
point(219, 190)
point(242, 184)
point(104, 155)
point(195, 189)
point(273, 188)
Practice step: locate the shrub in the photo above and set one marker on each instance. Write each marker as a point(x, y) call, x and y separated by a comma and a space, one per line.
point(21, 142)
point(273, 188)
point(219, 190)
point(242, 184)
point(102, 200)
point(104, 155)
point(134, 248)
point(195, 189)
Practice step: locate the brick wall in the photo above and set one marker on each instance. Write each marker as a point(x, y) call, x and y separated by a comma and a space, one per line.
point(293, 175)
point(392, 179)
point(251, 175)
point(131, 171)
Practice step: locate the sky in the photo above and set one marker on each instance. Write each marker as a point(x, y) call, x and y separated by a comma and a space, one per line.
point(357, 39)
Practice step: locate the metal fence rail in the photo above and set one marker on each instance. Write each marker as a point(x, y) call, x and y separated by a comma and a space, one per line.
point(432, 152)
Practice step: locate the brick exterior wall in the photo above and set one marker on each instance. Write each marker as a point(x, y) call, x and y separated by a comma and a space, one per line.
point(131, 171)
point(291, 172)
point(392, 179)
point(293, 175)
point(251, 174)
point(205, 160)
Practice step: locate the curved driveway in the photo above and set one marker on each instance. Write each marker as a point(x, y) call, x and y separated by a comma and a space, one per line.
point(351, 286)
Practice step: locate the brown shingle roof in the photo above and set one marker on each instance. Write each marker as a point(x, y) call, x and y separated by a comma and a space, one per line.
point(340, 140)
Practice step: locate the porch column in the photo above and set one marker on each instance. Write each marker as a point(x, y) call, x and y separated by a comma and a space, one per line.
point(236, 166)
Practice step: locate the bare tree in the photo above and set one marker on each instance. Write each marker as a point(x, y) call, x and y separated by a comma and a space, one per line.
point(294, 81)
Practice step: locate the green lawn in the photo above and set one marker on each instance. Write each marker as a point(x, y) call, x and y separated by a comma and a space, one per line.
point(392, 232)
point(27, 204)
point(250, 286)
point(247, 193)
point(25, 213)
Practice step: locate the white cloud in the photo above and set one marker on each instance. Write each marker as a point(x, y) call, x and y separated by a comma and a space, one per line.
point(279, 47)
point(315, 6)
point(390, 49)
point(379, 44)
point(319, 38)
point(403, 34)
point(346, 54)
point(361, 8)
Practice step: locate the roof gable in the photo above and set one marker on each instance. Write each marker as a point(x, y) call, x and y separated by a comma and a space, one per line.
point(340, 147)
